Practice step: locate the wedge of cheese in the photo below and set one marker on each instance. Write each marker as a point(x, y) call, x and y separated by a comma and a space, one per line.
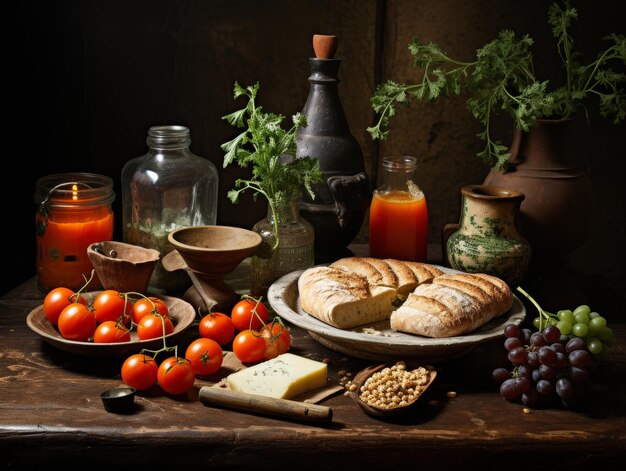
point(283, 377)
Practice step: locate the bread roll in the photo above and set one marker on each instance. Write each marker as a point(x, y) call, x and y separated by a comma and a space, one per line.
point(453, 304)
point(411, 274)
point(344, 299)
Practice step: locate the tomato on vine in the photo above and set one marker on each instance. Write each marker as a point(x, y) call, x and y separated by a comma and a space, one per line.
point(249, 346)
point(152, 326)
point(111, 332)
point(57, 299)
point(175, 375)
point(205, 355)
point(77, 322)
point(148, 305)
point(277, 339)
point(139, 371)
point(249, 313)
point(217, 326)
point(111, 305)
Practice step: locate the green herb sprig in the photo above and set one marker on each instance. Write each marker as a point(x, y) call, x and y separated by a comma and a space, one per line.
point(502, 78)
point(276, 173)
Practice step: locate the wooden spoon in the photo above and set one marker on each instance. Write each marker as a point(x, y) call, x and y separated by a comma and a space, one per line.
point(362, 376)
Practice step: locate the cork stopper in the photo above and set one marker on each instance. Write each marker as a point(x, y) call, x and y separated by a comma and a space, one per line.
point(324, 45)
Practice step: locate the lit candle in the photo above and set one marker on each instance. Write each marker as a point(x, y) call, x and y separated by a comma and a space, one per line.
point(74, 212)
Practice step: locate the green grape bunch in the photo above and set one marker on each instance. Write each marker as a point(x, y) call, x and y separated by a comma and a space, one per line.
point(580, 322)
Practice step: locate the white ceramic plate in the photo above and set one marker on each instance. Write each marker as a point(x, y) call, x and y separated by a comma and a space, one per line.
point(377, 341)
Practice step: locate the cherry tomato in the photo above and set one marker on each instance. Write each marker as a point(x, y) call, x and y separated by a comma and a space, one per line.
point(77, 322)
point(111, 332)
point(58, 299)
point(110, 305)
point(277, 339)
point(144, 306)
point(139, 371)
point(176, 376)
point(244, 317)
point(249, 346)
point(151, 326)
point(217, 326)
point(205, 355)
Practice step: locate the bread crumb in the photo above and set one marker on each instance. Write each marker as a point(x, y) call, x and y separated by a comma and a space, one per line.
point(371, 331)
point(451, 394)
point(526, 410)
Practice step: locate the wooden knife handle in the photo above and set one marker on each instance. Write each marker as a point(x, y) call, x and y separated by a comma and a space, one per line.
point(296, 410)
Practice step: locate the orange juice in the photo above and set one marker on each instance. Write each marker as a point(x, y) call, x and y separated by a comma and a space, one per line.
point(398, 226)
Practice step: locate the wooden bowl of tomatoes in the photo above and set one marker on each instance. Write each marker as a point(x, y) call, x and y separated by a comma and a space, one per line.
point(67, 335)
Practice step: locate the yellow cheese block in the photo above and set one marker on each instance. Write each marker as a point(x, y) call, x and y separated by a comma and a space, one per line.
point(283, 377)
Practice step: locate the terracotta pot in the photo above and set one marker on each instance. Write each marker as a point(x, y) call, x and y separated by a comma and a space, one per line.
point(487, 240)
point(556, 215)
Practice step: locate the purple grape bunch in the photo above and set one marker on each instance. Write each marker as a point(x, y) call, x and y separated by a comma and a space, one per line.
point(545, 368)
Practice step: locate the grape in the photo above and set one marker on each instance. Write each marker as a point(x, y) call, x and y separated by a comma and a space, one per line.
point(518, 356)
point(512, 343)
point(530, 397)
point(499, 375)
point(578, 375)
point(606, 335)
point(558, 347)
point(532, 359)
point(538, 323)
point(547, 356)
point(561, 360)
point(523, 384)
point(575, 344)
point(580, 359)
point(582, 310)
point(564, 327)
point(525, 336)
point(565, 388)
point(512, 330)
point(535, 375)
point(545, 387)
point(580, 329)
point(594, 345)
point(523, 370)
point(566, 316)
point(551, 334)
point(593, 315)
point(509, 389)
point(596, 325)
point(537, 340)
point(547, 372)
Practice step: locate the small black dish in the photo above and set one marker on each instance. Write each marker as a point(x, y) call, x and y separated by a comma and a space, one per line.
point(119, 400)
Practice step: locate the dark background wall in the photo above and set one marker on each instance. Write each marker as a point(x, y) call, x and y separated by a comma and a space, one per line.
point(87, 79)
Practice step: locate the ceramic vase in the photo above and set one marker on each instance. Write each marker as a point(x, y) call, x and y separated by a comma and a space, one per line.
point(557, 212)
point(292, 250)
point(486, 240)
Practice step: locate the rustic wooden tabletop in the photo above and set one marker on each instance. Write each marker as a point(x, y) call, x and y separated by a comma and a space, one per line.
point(51, 413)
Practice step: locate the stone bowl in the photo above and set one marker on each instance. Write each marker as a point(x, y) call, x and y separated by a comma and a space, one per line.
point(123, 267)
point(214, 251)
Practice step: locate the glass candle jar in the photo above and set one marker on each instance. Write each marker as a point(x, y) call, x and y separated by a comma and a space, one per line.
point(73, 211)
point(399, 213)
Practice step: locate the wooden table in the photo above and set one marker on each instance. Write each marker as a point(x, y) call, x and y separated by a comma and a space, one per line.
point(51, 412)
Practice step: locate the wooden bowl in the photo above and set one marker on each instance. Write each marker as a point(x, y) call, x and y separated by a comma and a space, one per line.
point(362, 376)
point(123, 267)
point(182, 315)
point(214, 251)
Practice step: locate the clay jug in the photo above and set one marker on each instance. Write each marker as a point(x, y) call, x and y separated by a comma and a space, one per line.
point(556, 214)
point(487, 240)
point(343, 196)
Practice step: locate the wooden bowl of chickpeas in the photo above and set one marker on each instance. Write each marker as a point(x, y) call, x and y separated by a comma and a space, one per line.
point(388, 390)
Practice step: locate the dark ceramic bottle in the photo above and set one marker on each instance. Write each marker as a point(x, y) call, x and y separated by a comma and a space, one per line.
point(343, 196)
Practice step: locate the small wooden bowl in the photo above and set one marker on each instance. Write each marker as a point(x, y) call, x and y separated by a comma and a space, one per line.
point(361, 377)
point(123, 267)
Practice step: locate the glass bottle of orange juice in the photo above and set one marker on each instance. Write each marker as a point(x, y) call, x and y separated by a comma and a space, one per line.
point(398, 226)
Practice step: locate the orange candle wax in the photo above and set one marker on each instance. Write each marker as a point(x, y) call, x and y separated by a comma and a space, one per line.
point(398, 226)
point(71, 216)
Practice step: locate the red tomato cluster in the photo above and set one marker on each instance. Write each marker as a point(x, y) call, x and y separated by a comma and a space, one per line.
point(108, 319)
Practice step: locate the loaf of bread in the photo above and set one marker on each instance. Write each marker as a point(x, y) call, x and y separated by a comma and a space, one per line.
point(453, 304)
point(344, 299)
point(355, 291)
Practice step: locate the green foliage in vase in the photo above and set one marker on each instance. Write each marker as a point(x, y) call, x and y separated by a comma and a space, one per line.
point(276, 173)
point(502, 77)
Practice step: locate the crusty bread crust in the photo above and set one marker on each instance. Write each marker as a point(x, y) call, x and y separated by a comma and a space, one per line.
point(356, 291)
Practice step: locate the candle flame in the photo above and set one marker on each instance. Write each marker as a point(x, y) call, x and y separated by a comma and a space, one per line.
point(74, 192)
